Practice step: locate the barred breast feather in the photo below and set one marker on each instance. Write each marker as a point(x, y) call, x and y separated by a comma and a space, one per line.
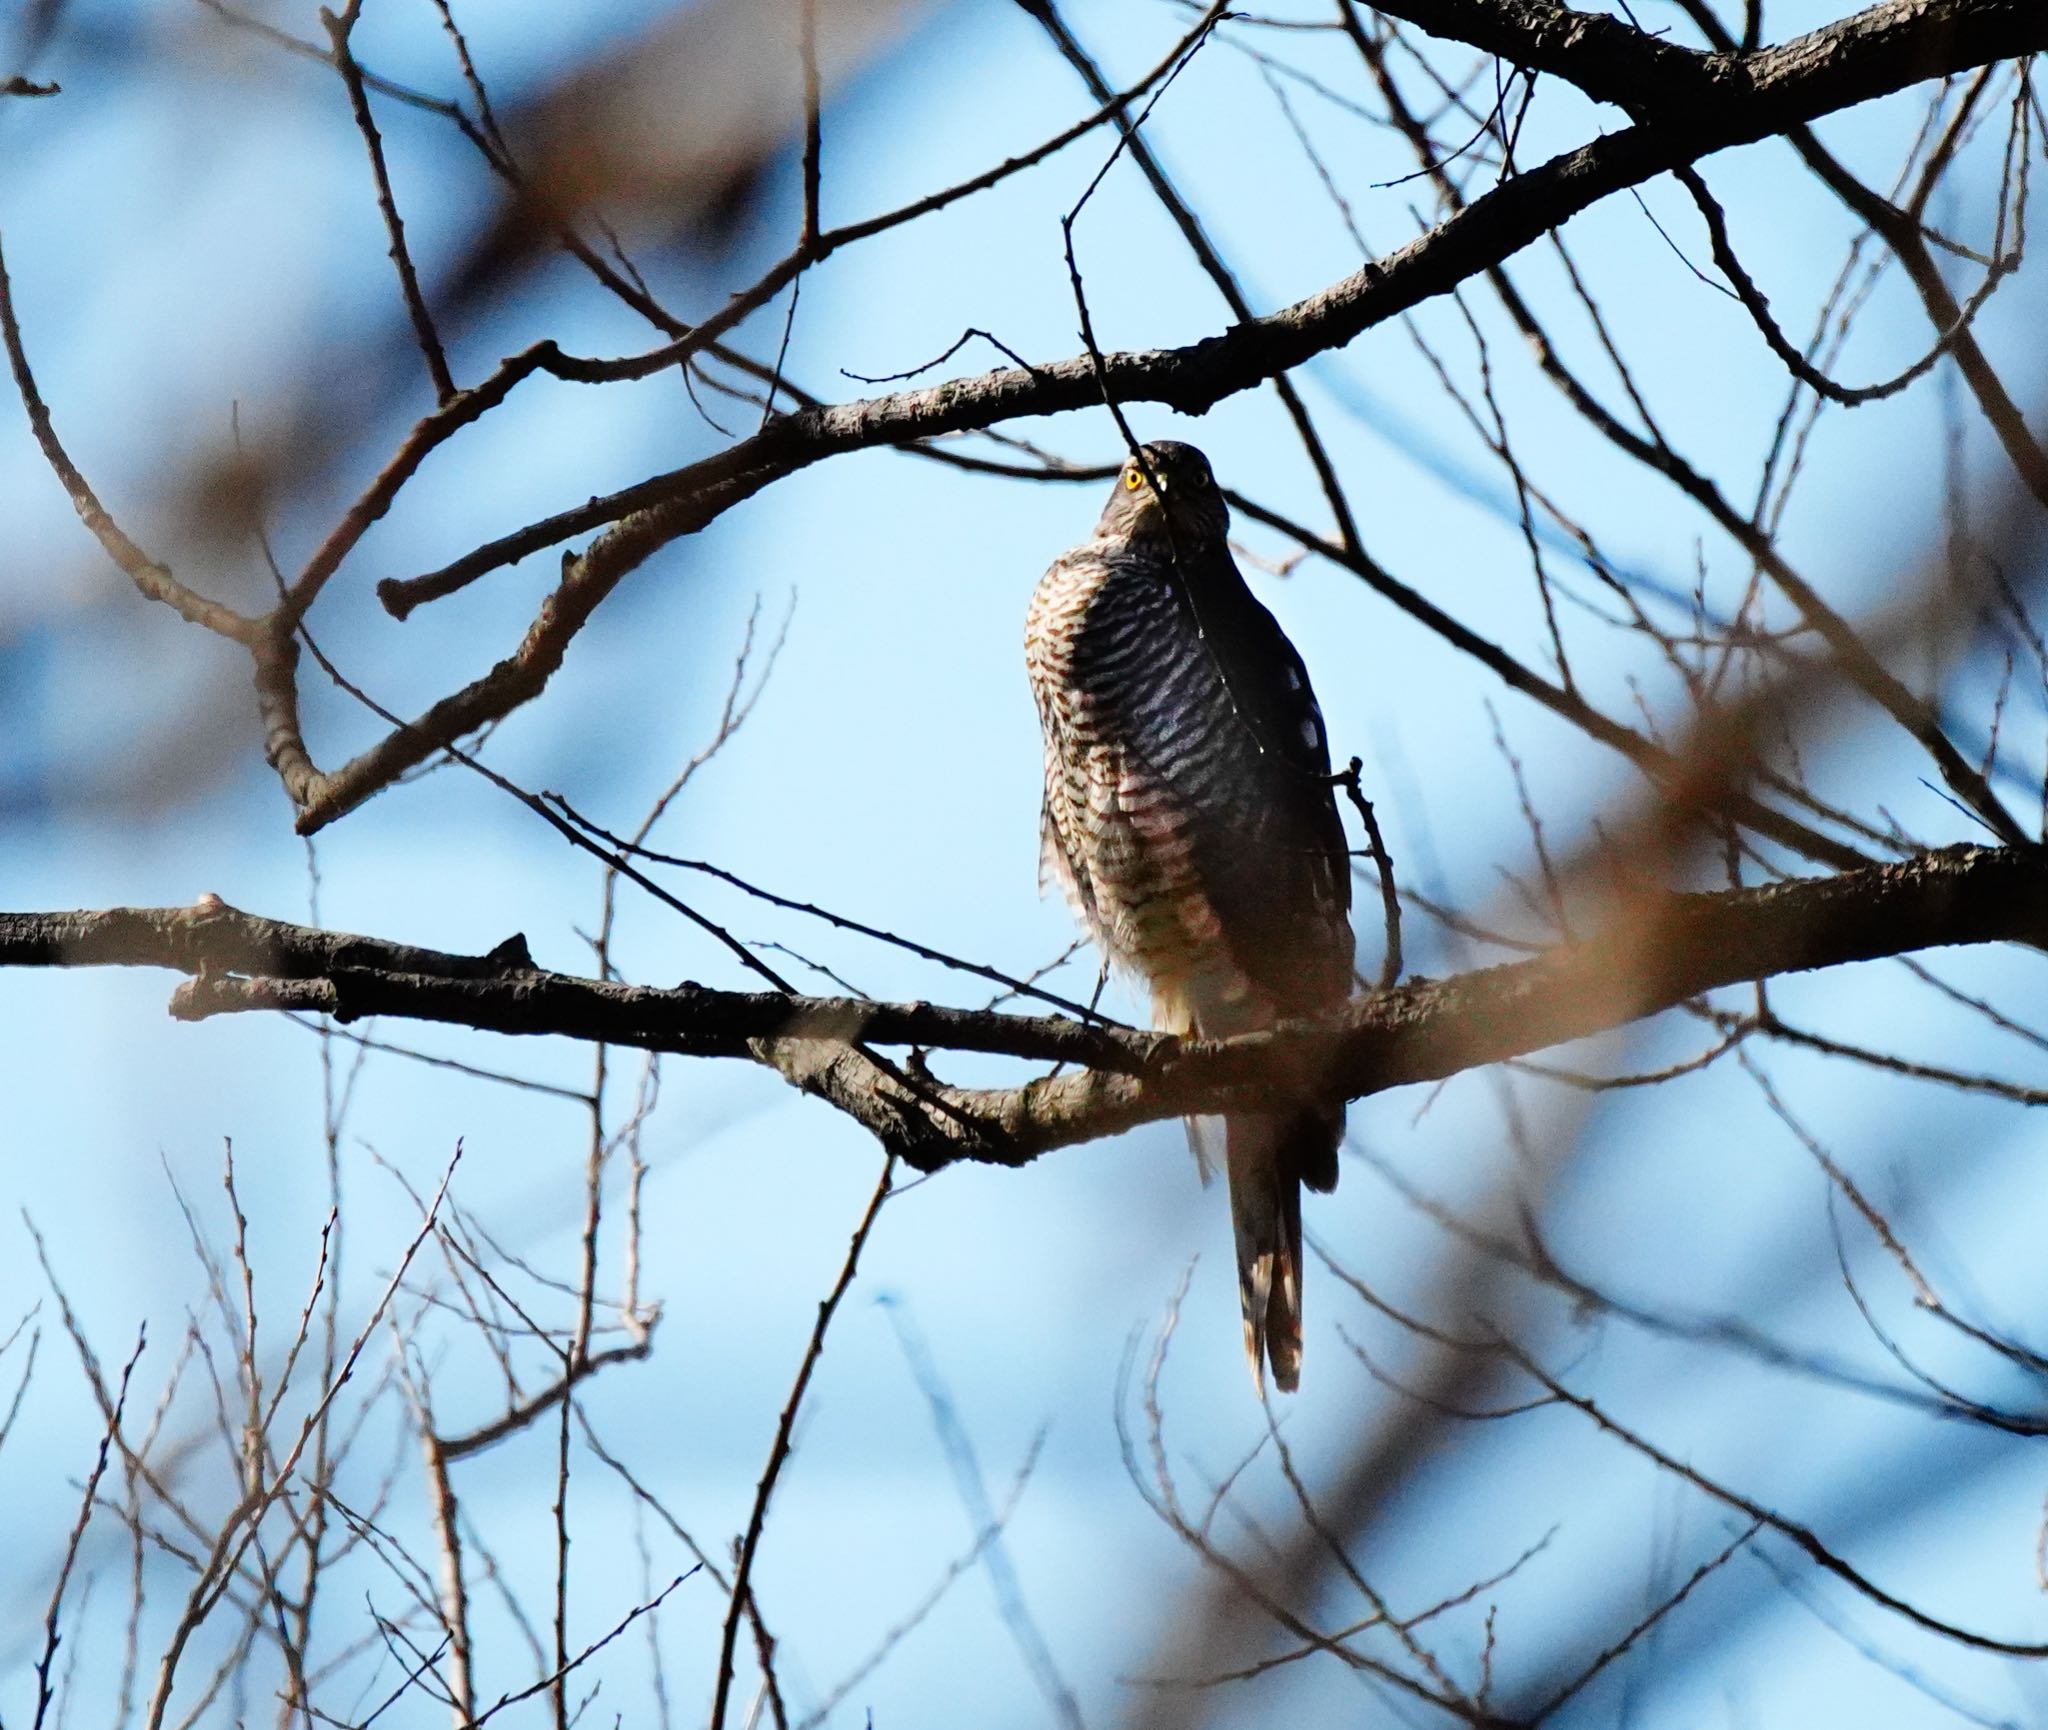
point(1190, 825)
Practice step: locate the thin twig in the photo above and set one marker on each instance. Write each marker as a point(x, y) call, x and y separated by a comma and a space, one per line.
point(785, 1436)
point(339, 29)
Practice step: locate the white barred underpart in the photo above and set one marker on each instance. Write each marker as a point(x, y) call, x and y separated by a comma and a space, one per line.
point(1145, 756)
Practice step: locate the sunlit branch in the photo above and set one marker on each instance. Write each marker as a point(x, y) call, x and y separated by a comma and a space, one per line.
point(1661, 951)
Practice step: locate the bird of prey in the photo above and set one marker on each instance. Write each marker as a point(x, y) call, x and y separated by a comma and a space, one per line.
point(1190, 819)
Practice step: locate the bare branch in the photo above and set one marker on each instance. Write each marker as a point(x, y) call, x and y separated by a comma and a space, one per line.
point(1664, 951)
point(785, 1437)
point(1734, 99)
point(339, 29)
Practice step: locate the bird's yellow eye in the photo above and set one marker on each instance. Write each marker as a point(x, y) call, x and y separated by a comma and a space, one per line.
point(1133, 479)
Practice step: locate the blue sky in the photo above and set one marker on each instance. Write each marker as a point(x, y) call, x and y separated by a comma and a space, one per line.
point(183, 241)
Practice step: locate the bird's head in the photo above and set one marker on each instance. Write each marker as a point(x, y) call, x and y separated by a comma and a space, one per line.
point(1185, 503)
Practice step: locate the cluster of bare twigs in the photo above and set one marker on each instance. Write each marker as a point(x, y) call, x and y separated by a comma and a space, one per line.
point(1692, 901)
point(305, 1514)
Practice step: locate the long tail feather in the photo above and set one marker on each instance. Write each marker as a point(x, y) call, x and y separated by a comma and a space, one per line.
point(1268, 1158)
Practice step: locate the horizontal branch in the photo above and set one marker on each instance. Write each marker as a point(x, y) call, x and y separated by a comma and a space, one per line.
point(244, 961)
point(1659, 951)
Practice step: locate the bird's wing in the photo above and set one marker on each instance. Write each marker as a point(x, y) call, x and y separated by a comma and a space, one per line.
point(1279, 876)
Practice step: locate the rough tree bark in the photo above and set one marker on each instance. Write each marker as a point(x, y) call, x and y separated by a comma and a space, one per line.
point(1663, 951)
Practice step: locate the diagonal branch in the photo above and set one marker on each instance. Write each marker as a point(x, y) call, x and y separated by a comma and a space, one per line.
point(1850, 650)
point(1733, 99)
point(1900, 230)
point(1211, 261)
point(1698, 104)
point(340, 28)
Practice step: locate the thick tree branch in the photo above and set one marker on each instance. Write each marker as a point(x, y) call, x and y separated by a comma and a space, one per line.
point(1609, 60)
point(1728, 99)
point(1659, 951)
point(1871, 54)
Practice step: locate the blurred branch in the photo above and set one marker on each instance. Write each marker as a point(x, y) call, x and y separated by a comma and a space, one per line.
point(1659, 950)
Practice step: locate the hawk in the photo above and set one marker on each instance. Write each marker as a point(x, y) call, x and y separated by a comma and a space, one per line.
point(1190, 819)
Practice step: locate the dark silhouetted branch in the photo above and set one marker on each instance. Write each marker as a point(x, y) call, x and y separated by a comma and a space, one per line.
point(1660, 950)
